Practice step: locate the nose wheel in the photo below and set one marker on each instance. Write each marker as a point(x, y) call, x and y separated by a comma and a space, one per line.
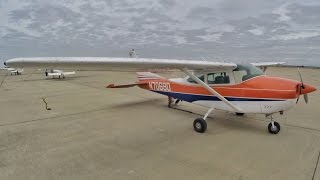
point(275, 128)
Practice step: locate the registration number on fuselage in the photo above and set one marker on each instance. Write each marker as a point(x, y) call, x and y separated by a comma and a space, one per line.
point(160, 86)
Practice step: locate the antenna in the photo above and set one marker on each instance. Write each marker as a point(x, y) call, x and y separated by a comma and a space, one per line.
point(135, 54)
point(203, 59)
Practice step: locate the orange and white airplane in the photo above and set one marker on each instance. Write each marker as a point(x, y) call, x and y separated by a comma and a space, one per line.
point(230, 87)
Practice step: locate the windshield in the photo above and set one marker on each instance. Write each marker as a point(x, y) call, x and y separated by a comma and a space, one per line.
point(245, 72)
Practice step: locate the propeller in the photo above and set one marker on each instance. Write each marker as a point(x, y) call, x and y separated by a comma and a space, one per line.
point(299, 89)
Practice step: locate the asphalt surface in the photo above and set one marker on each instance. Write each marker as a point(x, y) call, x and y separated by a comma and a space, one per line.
point(96, 133)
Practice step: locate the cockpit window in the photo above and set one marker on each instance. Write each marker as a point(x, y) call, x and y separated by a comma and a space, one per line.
point(218, 78)
point(245, 72)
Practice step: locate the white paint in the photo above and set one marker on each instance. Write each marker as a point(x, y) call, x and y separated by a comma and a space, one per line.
point(254, 107)
point(116, 64)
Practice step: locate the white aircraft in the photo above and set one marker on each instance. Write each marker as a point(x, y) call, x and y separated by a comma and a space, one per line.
point(13, 71)
point(237, 88)
point(59, 73)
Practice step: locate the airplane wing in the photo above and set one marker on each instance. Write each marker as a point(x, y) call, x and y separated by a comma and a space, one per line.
point(69, 73)
point(264, 65)
point(115, 64)
point(127, 64)
point(54, 74)
point(8, 69)
point(259, 64)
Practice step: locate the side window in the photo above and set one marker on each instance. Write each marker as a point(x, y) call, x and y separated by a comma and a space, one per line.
point(238, 75)
point(218, 78)
point(211, 78)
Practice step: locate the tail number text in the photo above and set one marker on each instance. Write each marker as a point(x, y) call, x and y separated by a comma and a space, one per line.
point(159, 86)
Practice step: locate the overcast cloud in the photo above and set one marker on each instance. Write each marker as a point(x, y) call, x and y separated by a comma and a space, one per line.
point(218, 30)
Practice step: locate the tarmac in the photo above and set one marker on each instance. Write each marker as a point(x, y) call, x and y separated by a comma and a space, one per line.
point(96, 133)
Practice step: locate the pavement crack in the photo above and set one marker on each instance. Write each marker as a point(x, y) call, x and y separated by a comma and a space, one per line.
point(316, 167)
point(53, 117)
point(3, 80)
point(185, 111)
point(45, 102)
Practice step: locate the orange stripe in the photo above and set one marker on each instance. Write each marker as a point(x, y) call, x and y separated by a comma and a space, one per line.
point(259, 87)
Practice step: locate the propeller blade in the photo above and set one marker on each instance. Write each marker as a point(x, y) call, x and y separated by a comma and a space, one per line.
point(299, 89)
point(302, 86)
point(306, 99)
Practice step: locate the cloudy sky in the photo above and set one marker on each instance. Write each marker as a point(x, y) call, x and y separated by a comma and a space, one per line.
point(217, 30)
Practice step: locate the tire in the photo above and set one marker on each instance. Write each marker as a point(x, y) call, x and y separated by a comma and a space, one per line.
point(276, 128)
point(239, 114)
point(200, 125)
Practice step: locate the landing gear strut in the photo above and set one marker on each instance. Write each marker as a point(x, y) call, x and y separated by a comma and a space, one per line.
point(274, 126)
point(200, 124)
point(171, 100)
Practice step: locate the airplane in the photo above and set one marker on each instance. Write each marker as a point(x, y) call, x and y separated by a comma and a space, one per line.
point(13, 71)
point(57, 72)
point(238, 88)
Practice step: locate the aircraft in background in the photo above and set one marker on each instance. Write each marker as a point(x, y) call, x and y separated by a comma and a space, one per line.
point(13, 71)
point(58, 73)
point(238, 88)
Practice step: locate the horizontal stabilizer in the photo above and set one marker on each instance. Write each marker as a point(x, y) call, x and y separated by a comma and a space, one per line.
point(148, 76)
point(123, 85)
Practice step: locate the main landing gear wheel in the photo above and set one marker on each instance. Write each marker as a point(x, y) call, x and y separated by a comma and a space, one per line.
point(200, 125)
point(274, 129)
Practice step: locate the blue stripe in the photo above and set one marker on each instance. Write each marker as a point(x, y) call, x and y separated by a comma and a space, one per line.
point(196, 97)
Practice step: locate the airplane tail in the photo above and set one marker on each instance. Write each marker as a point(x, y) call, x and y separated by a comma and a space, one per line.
point(143, 76)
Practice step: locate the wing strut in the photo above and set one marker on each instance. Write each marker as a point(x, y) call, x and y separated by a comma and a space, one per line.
point(203, 84)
